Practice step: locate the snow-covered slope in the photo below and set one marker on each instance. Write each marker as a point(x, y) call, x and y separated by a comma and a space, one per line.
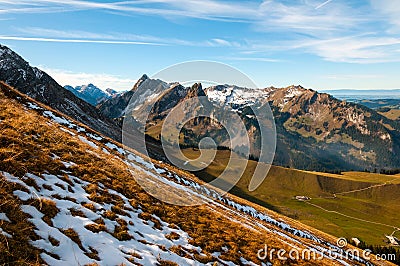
point(239, 97)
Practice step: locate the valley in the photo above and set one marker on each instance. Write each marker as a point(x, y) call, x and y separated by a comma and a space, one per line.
point(350, 204)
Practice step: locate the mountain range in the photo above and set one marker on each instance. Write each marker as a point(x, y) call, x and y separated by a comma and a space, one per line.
point(315, 131)
point(92, 94)
point(380, 103)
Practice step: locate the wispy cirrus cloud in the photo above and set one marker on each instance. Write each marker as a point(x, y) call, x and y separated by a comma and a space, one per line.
point(207, 9)
point(103, 81)
point(354, 76)
point(359, 49)
point(364, 48)
point(332, 30)
point(77, 36)
point(389, 11)
point(323, 4)
point(308, 17)
point(248, 58)
point(39, 39)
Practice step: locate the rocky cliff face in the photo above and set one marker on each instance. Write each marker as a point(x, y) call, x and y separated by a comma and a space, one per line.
point(115, 107)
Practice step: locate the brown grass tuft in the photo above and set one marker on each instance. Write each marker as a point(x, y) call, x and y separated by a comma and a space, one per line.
point(46, 206)
point(161, 262)
point(73, 235)
point(54, 241)
point(173, 236)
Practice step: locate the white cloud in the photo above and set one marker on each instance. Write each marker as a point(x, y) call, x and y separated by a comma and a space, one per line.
point(221, 42)
point(255, 59)
point(356, 49)
point(39, 39)
point(73, 36)
point(389, 11)
point(79, 34)
point(103, 81)
point(354, 76)
point(303, 17)
point(360, 49)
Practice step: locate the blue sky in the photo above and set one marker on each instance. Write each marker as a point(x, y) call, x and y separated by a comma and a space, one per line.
point(316, 43)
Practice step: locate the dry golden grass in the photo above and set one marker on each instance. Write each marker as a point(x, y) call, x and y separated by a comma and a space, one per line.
point(173, 236)
point(45, 206)
point(73, 235)
point(392, 114)
point(15, 250)
point(28, 143)
point(96, 228)
point(166, 263)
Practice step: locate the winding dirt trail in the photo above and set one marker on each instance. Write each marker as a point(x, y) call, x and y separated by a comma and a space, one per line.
point(352, 217)
point(363, 189)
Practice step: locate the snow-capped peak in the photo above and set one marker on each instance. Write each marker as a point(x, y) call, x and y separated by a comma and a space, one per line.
point(228, 94)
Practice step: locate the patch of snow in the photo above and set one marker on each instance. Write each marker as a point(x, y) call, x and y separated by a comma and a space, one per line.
point(85, 140)
point(68, 131)
point(69, 164)
point(385, 136)
point(115, 147)
point(293, 91)
point(233, 95)
point(57, 119)
point(4, 233)
point(94, 136)
point(4, 217)
point(34, 106)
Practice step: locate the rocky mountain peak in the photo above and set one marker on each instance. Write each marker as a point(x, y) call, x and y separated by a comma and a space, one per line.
point(195, 91)
point(89, 93)
point(143, 78)
point(111, 92)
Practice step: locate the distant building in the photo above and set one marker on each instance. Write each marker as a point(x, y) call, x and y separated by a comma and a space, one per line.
point(356, 241)
point(302, 198)
point(393, 240)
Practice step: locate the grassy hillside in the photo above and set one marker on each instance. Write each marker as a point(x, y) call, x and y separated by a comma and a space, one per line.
point(393, 114)
point(68, 188)
point(369, 214)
